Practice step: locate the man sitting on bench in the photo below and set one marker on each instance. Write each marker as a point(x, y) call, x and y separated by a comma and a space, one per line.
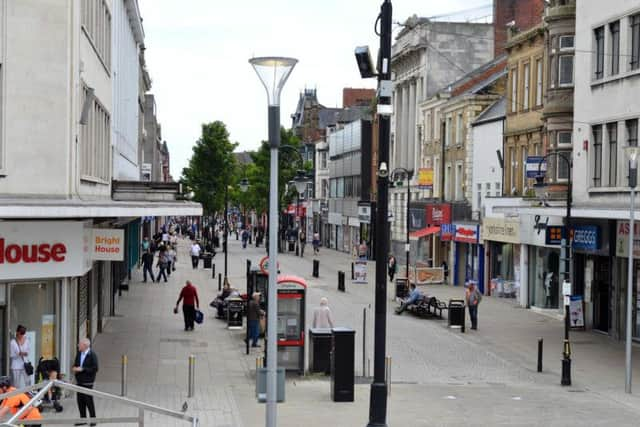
point(414, 297)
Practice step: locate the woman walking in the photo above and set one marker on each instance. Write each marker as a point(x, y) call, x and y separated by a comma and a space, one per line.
point(392, 267)
point(19, 354)
point(163, 264)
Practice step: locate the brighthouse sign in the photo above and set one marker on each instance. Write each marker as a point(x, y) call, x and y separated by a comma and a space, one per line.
point(108, 244)
point(41, 249)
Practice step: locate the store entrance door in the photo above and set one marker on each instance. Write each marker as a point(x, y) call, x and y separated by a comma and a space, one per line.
point(601, 299)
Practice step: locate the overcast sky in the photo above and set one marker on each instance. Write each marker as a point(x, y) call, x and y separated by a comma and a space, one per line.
point(197, 53)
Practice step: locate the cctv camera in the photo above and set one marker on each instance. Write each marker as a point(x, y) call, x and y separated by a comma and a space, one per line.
point(365, 64)
point(383, 172)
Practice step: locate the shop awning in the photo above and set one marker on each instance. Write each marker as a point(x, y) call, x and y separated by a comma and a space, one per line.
point(424, 232)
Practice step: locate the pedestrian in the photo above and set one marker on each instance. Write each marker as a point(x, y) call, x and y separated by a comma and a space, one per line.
point(473, 298)
point(303, 242)
point(173, 255)
point(245, 238)
point(195, 254)
point(392, 267)
point(253, 319)
point(11, 405)
point(190, 303)
point(85, 368)
point(20, 348)
point(362, 250)
point(316, 243)
point(163, 264)
point(147, 266)
point(322, 315)
point(445, 269)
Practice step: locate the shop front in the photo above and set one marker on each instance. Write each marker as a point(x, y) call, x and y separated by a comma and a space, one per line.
point(620, 294)
point(437, 215)
point(502, 248)
point(469, 256)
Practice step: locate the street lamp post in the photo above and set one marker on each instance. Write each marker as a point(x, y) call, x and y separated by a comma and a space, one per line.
point(378, 394)
point(632, 153)
point(273, 73)
point(226, 230)
point(244, 186)
point(566, 245)
point(394, 177)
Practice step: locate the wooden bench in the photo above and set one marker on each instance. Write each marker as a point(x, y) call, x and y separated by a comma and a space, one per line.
point(427, 307)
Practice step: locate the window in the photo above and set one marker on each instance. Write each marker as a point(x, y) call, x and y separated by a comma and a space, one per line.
point(95, 149)
point(447, 182)
point(635, 41)
point(447, 137)
point(427, 128)
point(459, 129)
point(564, 138)
point(525, 86)
point(96, 21)
point(514, 90)
point(459, 182)
point(562, 167)
point(566, 42)
point(632, 132)
point(614, 29)
point(334, 187)
point(512, 169)
point(497, 189)
point(479, 195)
point(538, 82)
point(599, 48)
point(348, 186)
point(597, 155)
point(323, 160)
point(340, 188)
point(525, 153)
point(612, 137)
point(487, 189)
point(436, 177)
point(325, 189)
point(565, 70)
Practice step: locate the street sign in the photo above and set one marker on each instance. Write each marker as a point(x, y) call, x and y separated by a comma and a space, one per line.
point(533, 163)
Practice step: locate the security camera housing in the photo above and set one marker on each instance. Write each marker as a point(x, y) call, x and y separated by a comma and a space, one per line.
point(365, 64)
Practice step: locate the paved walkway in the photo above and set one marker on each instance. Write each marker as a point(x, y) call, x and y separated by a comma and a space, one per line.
point(439, 377)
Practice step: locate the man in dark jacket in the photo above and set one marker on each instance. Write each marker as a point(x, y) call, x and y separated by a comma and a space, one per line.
point(190, 302)
point(147, 265)
point(85, 368)
point(253, 319)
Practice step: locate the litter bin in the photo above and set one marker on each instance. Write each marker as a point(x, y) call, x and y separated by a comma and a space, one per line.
point(342, 364)
point(456, 314)
point(234, 312)
point(320, 350)
point(206, 258)
point(402, 287)
point(261, 385)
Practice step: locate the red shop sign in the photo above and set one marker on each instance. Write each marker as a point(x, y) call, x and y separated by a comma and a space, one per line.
point(439, 214)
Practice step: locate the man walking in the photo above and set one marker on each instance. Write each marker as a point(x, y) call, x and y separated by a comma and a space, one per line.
point(85, 368)
point(190, 302)
point(253, 319)
point(473, 298)
point(147, 265)
point(195, 254)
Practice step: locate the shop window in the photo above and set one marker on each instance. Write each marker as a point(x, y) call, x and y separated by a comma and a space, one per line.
point(544, 279)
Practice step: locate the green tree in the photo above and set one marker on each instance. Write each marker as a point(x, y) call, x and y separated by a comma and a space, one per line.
point(212, 166)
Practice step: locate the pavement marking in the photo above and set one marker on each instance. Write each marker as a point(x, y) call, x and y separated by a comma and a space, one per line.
point(516, 398)
point(450, 397)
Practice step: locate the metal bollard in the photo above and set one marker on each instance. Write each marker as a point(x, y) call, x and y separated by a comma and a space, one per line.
point(213, 271)
point(341, 281)
point(387, 380)
point(192, 375)
point(219, 282)
point(123, 384)
point(364, 340)
point(316, 268)
point(353, 272)
point(539, 354)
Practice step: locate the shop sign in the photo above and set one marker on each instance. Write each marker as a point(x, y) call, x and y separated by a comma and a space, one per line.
point(41, 249)
point(535, 163)
point(500, 230)
point(622, 239)
point(466, 233)
point(439, 214)
point(425, 178)
point(364, 214)
point(360, 272)
point(586, 237)
point(447, 232)
point(554, 234)
point(107, 244)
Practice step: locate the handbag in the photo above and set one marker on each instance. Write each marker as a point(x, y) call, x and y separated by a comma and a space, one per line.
point(28, 367)
point(199, 318)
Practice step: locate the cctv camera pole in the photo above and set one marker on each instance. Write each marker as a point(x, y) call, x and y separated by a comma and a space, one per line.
point(378, 396)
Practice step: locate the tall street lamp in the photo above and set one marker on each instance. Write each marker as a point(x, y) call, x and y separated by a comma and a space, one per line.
point(395, 177)
point(632, 153)
point(273, 73)
point(566, 246)
point(378, 395)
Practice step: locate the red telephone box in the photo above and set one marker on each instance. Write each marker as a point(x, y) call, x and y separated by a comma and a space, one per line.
point(291, 322)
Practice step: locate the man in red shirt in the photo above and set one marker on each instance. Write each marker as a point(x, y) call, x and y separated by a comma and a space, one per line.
point(189, 297)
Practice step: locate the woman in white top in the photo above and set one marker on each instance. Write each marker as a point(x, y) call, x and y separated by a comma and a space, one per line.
point(20, 349)
point(322, 315)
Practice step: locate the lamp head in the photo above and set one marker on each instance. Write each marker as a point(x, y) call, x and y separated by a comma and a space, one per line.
point(540, 187)
point(300, 181)
point(632, 152)
point(273, 72)
point(244, 185)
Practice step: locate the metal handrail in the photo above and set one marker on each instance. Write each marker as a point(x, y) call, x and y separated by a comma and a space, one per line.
point(45, 386)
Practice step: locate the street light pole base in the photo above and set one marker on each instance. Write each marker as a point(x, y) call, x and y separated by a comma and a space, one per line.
point(566, 372)
point(378, 405)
